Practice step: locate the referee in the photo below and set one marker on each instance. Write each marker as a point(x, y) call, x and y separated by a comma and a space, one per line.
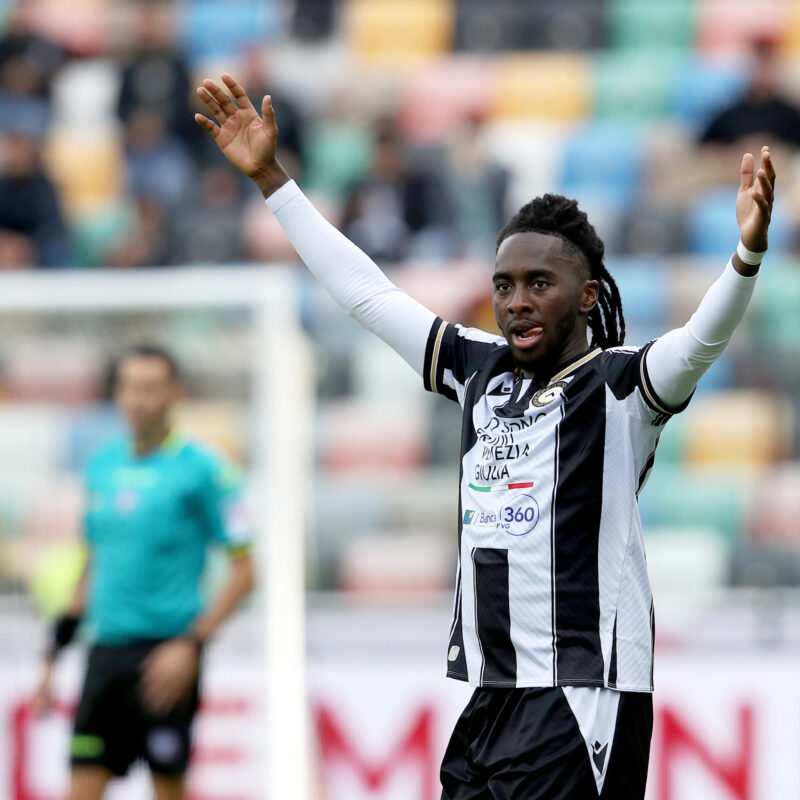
point(553, 617)
point(155, 502)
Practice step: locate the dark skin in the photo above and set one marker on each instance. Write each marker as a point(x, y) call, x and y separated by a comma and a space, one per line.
point(542, 297)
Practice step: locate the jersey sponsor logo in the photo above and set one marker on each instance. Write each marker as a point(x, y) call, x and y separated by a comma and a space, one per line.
point(516, 517)
point(544, 397)
point(452, 655)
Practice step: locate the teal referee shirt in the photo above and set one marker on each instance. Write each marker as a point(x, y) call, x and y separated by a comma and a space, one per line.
point(149, 522)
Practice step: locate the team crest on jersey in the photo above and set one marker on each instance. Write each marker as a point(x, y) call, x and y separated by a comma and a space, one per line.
point(549, 394)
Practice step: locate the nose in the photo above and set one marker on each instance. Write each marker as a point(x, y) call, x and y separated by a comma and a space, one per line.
point(520, 300)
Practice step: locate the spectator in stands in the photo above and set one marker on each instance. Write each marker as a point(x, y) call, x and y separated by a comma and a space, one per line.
point(157, 164)
point(478, 190)
point(29, 64)
point(762, 113)
point(397, 211)
point(208, 229)
point(145, 241)
point(32, 228)
point(155, 78)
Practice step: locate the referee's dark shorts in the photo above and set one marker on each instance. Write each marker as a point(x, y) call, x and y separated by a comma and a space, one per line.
point(549, 744)
point(113, 728)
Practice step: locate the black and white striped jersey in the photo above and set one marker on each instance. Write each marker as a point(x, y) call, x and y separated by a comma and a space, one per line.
point(552, 586)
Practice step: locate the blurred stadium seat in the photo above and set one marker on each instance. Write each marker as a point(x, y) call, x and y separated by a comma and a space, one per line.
point(742, 430)
point(391, 33)
point(438, 97)
point(775, 516)
point(731, 25)
point(657, 24)
point(677, 496)
point(606, 157)
point(702, 86)
point(221, 29)
point(564, 95)
point(633, 84)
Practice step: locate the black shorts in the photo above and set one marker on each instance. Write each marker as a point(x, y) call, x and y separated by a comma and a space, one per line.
point(550, 744)
point(113, 728)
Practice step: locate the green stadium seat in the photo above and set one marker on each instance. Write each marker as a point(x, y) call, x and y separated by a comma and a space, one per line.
point(633, 85)
point(678, 496)
point(776, 325)
point(667, 24)
point(337, 155)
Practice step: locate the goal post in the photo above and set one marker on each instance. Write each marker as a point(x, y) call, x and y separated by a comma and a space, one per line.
point(282, 395)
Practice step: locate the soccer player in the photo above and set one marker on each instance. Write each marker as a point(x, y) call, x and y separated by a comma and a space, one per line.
point(155, 502)
point(553, 614)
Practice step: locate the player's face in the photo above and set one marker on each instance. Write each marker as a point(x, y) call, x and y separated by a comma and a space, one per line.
point(542, 294)
point(145, 391)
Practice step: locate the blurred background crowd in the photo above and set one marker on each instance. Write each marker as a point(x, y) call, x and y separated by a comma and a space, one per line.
point(417, 126)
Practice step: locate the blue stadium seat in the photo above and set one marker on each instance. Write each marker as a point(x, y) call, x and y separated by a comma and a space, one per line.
point(219, 29)
point(701, 87)
point(606, 157)
point(712, 229)
point(644, 286)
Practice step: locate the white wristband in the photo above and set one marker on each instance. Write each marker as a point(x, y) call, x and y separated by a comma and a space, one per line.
point(748, 256)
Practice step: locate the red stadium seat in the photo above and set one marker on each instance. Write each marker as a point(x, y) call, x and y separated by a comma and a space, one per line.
point(725, 25)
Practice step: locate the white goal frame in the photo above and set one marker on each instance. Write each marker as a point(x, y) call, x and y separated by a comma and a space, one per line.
point(282, 465)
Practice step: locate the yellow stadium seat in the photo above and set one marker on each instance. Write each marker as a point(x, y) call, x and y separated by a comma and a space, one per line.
point(395, 32)
point(87, 170)
point(790, 34)
point(742, 430)
point(552, 85)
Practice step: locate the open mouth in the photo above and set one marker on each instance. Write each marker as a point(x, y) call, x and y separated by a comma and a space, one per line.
point(526, 338)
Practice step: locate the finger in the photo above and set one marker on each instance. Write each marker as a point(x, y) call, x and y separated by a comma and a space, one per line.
point(764, 186)
point(213, 106)
point(767, 164)
point(762, 203)
point(239, 94)
point(205, 122)
point(222, 97)
point(747, 171)
point(267, 111)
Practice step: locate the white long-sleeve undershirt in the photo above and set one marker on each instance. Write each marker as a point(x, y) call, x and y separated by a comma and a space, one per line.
point(675, 362)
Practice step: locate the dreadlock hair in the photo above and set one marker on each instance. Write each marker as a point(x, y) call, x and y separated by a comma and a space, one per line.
point(556, 214)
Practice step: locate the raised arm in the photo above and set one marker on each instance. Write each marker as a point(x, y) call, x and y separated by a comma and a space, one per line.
point(678, 359)
point(248, 141)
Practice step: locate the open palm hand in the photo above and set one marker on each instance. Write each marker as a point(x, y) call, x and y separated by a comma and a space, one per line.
point(754, 200)
point(247, 139)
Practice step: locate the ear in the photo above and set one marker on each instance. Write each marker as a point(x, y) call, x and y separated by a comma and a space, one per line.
point(589, 296)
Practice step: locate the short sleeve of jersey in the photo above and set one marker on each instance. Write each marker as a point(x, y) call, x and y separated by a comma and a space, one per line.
point(228, 519)
point(452, 354)
point(624, 370)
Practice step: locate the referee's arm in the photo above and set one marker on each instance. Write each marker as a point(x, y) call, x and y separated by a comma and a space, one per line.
point(61, 635)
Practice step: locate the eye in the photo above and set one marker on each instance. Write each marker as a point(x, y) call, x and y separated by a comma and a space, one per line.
point(540, 283)
point(502, 286)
